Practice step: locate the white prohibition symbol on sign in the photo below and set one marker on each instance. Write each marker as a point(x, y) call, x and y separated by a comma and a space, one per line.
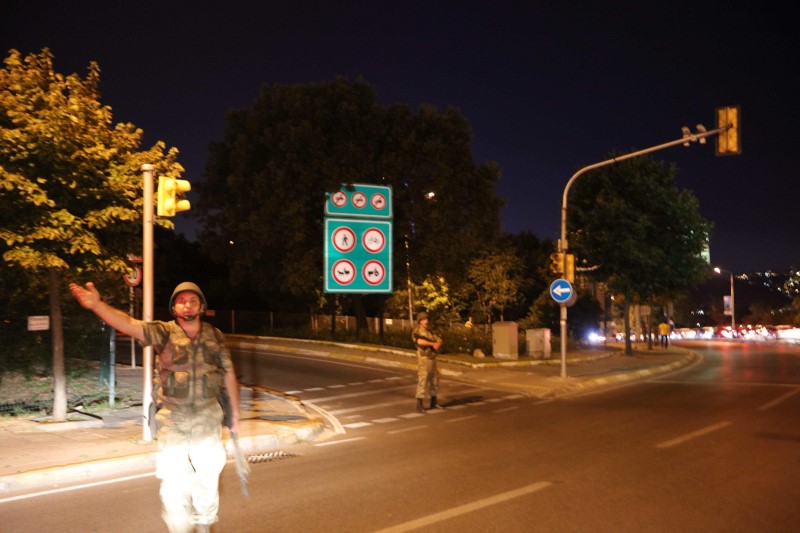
point(344, 239)
point(343, 272)
point(373, 240)
point(339, 198)
point(359, 199)
point(378, 201)
point(373, 272)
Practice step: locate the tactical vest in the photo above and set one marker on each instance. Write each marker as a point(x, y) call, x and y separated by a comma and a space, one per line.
point(189, 373)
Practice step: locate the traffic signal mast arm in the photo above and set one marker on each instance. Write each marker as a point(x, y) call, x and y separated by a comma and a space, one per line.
point(691, 137)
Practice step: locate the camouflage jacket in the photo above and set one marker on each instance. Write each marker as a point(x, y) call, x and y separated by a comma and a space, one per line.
point(189, 373)
point(423, 333)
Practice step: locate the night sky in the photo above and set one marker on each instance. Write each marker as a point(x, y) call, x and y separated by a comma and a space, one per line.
point(548, 87)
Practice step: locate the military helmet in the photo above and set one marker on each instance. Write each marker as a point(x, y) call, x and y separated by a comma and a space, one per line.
point(422, 315)
point(188, 286)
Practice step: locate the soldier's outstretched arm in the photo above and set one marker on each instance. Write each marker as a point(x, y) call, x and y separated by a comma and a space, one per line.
point(89, 298)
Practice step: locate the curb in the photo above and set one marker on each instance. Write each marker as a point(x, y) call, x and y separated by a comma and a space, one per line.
point(626, 377)
point(145, 462)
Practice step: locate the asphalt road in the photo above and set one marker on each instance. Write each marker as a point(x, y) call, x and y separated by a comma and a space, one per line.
point(715, 447)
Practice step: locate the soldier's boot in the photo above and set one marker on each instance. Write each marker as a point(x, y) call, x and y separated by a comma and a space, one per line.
point(420, 408)
point(434, 405)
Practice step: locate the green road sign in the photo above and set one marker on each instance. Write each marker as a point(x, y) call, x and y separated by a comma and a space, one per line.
point(364, 201)
point(358, 255)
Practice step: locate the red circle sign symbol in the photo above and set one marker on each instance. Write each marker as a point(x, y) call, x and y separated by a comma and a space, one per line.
point(344, 239)
point(373, 272)
point(343, 272)
point(359, 199)
point(339, 198)
point(378, 201)
point(373, 240)
point(134, 278)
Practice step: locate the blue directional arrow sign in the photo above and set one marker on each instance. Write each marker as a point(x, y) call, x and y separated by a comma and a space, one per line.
point(561, 290)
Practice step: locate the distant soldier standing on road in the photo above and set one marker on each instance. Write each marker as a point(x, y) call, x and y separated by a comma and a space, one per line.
point(427, 344)
point(193, 366)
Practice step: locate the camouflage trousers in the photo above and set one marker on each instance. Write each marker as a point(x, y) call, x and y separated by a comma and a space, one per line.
point(427, 376)
point(190, 459)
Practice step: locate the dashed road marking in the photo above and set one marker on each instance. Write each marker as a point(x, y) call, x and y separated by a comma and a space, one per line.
point(693, 435)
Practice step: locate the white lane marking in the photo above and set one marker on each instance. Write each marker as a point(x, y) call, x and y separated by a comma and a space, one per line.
point(355, 394)
point(356, 425)
point(336, 386)
point(332, 420)
point(367, 407)
point(333, 442)
point(74, 487)
point(779, 400)
point(459, 419)
point(412, 415)
point(466, 508)
point(692, 435)
point(412, 428)
point(385, 420)
point(504, 409)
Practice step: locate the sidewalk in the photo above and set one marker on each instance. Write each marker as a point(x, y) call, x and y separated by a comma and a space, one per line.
point(38, 453)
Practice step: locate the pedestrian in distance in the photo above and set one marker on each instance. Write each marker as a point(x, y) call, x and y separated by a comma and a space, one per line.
point(663, 332)
point(428, 345)
point(192, 368)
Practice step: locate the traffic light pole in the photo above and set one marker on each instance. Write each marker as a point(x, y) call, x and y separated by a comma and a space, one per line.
point(563, 245)
point(147, 299)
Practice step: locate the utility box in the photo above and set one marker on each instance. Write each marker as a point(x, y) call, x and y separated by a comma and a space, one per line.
point(537, 343)
point(505, 344)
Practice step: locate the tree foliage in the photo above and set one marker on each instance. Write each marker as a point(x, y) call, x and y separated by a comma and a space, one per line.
point(497, 280)
point(641, 234)
point(70, 194)
point(262, 204)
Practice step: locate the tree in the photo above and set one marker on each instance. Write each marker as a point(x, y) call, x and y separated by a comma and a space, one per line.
point(642, 235)
point(496, 279)
point(262, 204)
point(71, 189)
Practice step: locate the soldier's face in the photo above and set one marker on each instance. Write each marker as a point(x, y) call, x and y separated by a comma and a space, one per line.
point(424, 322)
point(187, 306)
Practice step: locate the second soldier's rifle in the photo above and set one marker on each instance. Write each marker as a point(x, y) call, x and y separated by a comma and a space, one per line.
point(242, 467)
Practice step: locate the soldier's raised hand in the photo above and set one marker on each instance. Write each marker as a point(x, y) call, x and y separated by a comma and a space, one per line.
point(88, 297)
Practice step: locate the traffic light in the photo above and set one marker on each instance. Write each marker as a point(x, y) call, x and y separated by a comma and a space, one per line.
point(557, 265)
point(569, 268)
point(728, 141)
point(168, 191)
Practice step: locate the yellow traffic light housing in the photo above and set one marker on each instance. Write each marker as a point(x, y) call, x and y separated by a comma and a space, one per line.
point(569, 268)
point(169, 201)
point(728, 141)
point(557, 265)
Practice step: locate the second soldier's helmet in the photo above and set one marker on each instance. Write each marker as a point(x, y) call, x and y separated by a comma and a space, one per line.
point(422, 315)
point(190, 287)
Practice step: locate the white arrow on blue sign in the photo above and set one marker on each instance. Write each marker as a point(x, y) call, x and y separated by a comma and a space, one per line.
point(561, 290)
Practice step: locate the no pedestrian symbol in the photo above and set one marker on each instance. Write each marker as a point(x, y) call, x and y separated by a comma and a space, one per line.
point(358, 255)
point(562, 292)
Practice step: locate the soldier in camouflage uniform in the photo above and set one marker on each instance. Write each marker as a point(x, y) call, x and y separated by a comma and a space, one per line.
point(193, 365)
point(428, 344)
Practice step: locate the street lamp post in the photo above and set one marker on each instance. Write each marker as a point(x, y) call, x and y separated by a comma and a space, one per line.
point(733, 308)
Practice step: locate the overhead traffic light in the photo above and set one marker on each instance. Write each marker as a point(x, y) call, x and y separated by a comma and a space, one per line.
point(729, 141)
point(557, 265)
point(170, 196)
point(569, 268)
